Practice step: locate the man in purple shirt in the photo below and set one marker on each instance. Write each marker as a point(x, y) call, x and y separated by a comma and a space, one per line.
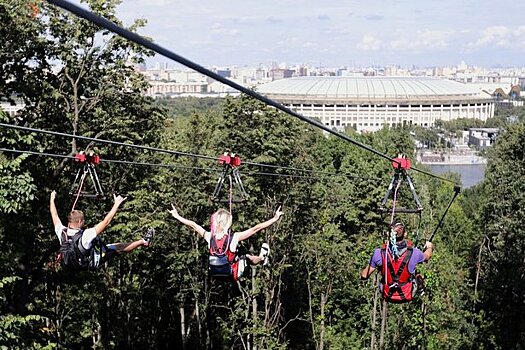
point(402, 261)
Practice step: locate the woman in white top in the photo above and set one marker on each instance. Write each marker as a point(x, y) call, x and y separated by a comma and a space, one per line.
point(222, 243)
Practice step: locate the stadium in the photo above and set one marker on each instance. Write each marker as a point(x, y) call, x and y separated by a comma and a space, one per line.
point(369, 103)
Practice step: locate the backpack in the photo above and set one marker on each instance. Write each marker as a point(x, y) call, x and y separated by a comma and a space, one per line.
point(218, 261)
point(73, 254)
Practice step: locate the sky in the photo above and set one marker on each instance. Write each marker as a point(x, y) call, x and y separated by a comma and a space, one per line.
point(331, 33)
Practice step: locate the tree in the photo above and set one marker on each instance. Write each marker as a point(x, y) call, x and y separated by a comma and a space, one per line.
point(94, 92)
point(501, 278)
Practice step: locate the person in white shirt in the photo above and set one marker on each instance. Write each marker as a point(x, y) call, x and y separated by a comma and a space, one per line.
point(76, 223)
point(222, 243)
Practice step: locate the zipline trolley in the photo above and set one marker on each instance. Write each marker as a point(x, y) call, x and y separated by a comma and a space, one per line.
point(230, 163)
point(86, 168)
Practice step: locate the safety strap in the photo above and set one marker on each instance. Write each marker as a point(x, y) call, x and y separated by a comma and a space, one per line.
point(397, 274)
point(396, 286)
point(215, 249)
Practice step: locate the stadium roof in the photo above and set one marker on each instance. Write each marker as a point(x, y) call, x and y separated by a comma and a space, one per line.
point(371, 89)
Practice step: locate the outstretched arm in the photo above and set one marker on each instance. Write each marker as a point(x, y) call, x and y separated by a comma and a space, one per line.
point(249, 232)
point(187, 222)
point(101, 226)
point(53, 209)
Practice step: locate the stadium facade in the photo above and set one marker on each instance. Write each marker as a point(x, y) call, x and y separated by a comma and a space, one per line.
point(369, 103)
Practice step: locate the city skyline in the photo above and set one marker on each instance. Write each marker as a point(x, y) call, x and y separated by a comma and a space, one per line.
point(334, 33)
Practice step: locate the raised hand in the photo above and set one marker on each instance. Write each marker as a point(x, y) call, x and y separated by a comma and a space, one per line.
point(118, 199)
point(173, 211)
point(278, 213)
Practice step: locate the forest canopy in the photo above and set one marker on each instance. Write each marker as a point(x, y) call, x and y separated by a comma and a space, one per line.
point(77, 79)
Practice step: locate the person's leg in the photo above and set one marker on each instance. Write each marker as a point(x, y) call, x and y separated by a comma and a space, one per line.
point(262, 257)
point(254, 259)
point(126, 247)
point(420, 282)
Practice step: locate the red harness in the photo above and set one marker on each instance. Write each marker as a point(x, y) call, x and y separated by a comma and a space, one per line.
point(221, 247)
point(398, 285)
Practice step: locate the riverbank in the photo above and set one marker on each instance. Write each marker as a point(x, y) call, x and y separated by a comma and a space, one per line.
point(435, 158)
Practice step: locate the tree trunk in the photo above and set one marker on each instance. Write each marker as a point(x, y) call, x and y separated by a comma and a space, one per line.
point(424, 314)
point(198, 315)
point(383, 325)
point(182, 327)
point(322, 323)
point(254, 312)
point(478, 269)
point(310, 310)
point(374, 315)
point(97, 334)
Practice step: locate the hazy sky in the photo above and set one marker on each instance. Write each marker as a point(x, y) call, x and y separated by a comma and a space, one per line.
point(336, 33)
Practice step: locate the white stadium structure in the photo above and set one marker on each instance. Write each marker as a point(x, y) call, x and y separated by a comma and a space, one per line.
point(369, 103)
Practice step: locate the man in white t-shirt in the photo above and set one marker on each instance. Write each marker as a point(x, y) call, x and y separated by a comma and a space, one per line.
point(76, 223)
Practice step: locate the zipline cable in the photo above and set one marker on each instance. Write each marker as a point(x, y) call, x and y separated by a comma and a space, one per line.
point(134, 37)
point(185, 154)
point(126, 162)
point(36, 153)
point(147, 148)
point(316, 177)
point(294, 169)
point(127, 34)
point(103, 160)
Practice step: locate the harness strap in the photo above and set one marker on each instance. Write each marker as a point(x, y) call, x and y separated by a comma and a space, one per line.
point(395, 287)
point(222, 250)
point(405, 261)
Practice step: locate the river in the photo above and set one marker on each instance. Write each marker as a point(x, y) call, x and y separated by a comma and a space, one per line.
point(471, 174)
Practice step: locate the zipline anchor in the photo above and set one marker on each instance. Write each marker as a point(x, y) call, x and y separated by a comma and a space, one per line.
point(86, 167)
point(230, 163)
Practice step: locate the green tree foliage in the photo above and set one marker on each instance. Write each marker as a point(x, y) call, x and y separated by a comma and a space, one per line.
point(16, 186)
point(501, 280)
point(77, 79)
point(94, 92)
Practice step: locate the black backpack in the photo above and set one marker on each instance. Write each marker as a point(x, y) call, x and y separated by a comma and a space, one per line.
point(73, 254)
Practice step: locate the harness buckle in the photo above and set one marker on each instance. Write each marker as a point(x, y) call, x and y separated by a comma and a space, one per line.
point(394, 285)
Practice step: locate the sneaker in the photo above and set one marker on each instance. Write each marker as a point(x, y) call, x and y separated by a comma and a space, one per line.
point(148, 237)
point(265, 253)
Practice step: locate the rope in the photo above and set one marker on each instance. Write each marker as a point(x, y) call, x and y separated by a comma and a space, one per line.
point(418, 229)
point(231, 195)
point(315, 177)
point(147, 148)
point(79, 189)
point(389, 241)
point(435, 176)
point(36, 153)
point(134, 37)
